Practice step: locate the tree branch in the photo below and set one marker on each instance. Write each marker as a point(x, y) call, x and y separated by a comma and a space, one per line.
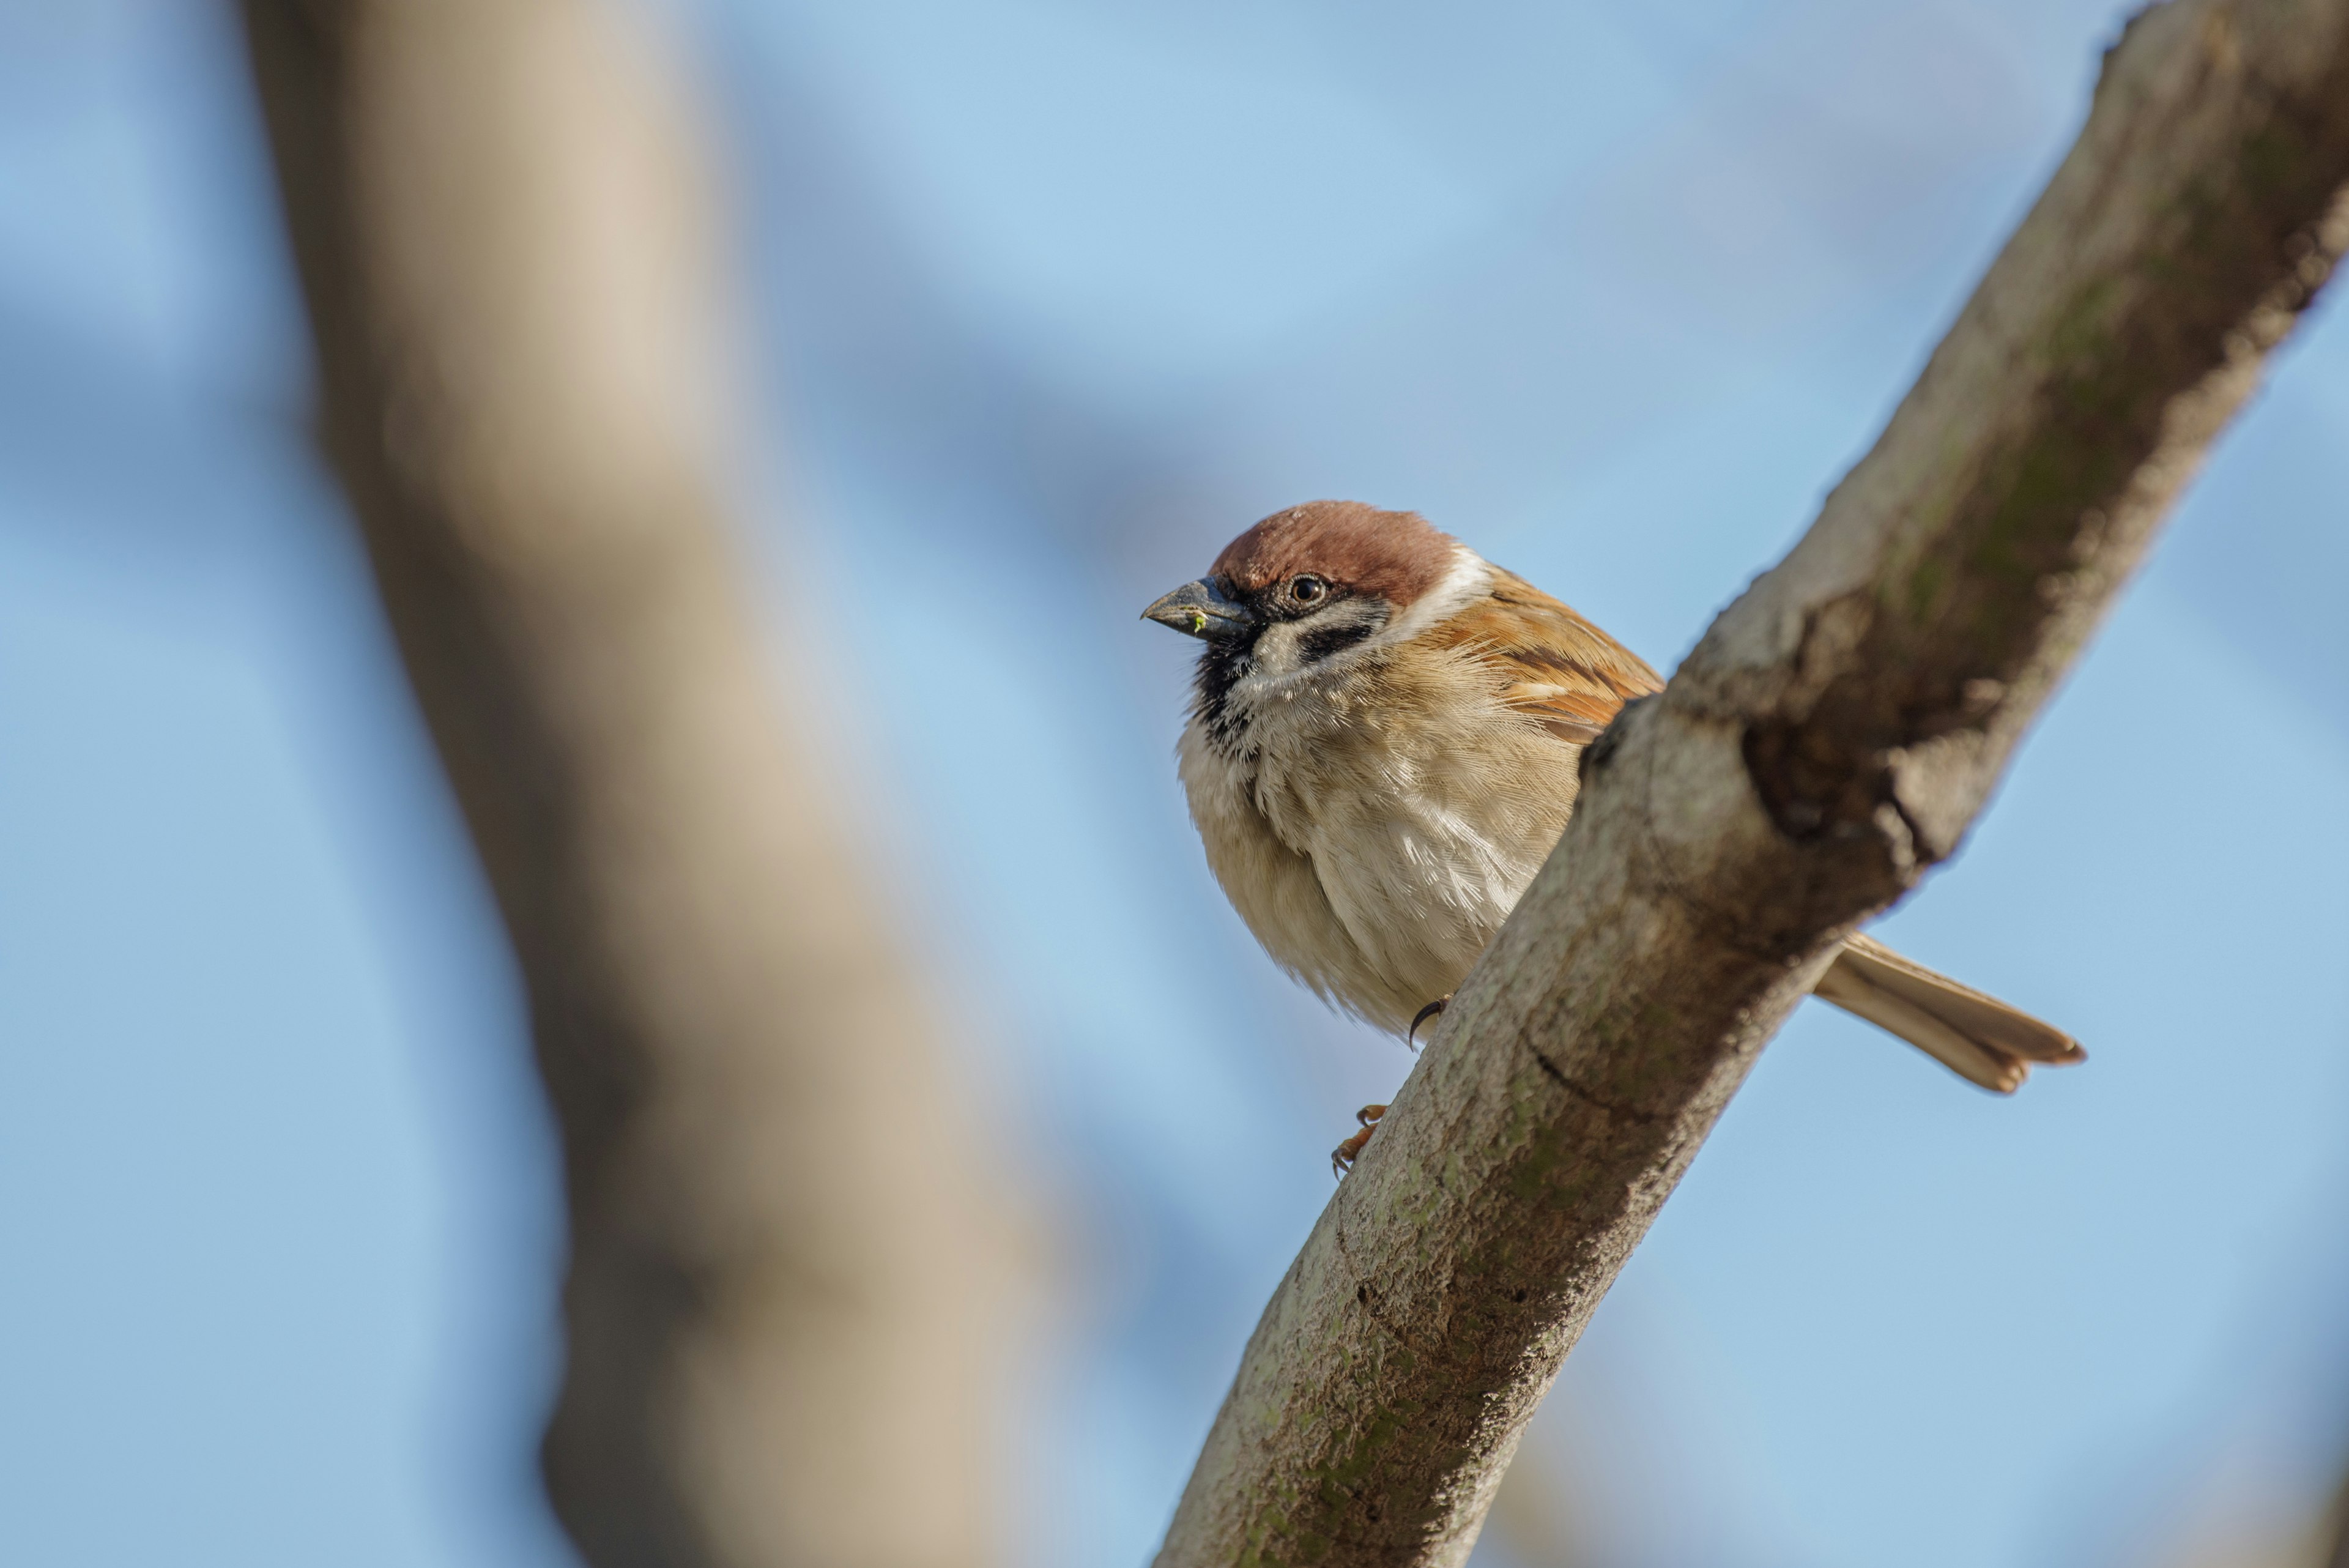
point(780, 1267)
point(1830, 739)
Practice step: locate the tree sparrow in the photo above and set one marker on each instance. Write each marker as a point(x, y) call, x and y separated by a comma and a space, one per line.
point(1382, 748)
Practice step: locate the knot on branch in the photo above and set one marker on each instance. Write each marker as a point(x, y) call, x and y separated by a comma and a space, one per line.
point(1811, 781)
point(1850, 771)
point(1827, 752)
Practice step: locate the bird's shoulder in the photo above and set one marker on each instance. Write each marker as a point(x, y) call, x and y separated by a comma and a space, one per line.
point(1552, 664)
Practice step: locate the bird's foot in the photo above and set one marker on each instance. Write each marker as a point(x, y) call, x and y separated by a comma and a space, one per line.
point(1411, 1035)
point(1342, 1157)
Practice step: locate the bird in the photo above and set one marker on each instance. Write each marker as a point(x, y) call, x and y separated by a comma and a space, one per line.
point(1382, 747)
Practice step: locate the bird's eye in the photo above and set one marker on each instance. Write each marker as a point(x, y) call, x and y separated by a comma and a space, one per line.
point(1307, 589)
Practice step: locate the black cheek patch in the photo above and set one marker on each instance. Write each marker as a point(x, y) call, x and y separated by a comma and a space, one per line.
point(1319, 642)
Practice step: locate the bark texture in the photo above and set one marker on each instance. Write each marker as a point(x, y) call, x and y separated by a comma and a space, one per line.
point(1831, 738)
point(781, 1273)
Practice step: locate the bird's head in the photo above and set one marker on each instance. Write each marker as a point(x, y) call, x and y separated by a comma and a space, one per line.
point(1309, 584)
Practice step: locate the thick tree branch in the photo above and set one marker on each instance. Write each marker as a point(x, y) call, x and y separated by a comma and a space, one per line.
point(1830, 739)
point(779, 1270)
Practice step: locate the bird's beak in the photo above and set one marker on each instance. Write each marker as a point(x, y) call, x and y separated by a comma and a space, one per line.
point(1201, 610)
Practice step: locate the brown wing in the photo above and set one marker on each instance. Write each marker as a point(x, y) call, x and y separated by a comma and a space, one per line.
point(1554, 665)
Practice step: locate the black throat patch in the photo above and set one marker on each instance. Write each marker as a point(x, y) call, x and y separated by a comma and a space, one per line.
point(1221, 666)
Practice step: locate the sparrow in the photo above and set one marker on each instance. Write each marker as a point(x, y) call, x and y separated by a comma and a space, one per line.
point(1382, 749)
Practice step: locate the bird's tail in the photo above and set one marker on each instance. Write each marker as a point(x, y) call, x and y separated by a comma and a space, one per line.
point(1973, 1035)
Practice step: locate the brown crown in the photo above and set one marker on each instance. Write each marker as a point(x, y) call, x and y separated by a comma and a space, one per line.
point(1397, 556)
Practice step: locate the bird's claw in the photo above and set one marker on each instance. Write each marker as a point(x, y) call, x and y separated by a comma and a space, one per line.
point(1411, 1035)
point(1342, 1157)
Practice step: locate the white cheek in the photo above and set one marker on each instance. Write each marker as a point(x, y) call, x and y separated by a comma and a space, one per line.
point(1282, 651)
point(1276, 653)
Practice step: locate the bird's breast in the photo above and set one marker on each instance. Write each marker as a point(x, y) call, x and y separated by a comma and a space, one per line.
point(1374, 833)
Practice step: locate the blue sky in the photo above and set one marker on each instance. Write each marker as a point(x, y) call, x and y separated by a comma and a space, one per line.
point(1041, 302)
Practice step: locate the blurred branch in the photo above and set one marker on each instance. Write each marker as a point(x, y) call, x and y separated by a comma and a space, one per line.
point(781, 1272)
point(2333, 1531)
point(1831, 738)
